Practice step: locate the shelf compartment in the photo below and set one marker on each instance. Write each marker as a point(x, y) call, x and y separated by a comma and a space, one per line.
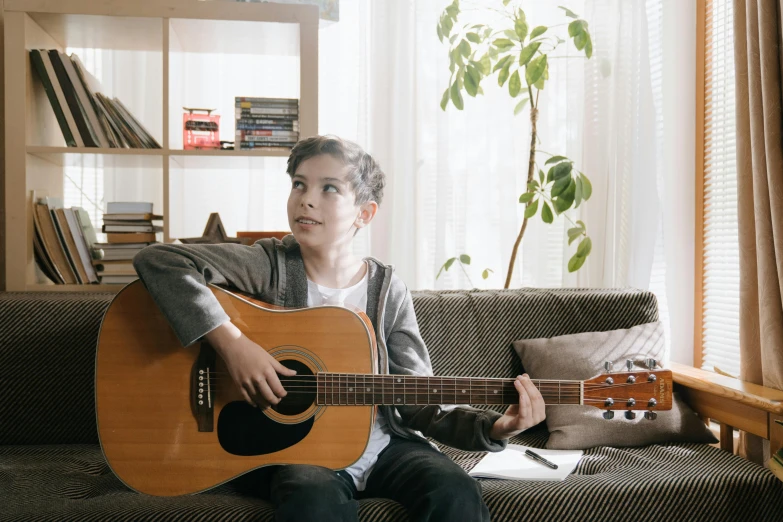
point(98, 157)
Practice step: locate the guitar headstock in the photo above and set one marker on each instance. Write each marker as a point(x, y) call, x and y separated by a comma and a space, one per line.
point(649, 390)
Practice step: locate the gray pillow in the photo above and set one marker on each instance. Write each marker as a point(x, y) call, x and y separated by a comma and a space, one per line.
point(582, 356)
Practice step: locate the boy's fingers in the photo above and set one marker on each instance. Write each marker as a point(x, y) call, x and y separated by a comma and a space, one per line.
point(282, 370)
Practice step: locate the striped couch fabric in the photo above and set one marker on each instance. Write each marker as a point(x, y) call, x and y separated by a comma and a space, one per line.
point(51, 467)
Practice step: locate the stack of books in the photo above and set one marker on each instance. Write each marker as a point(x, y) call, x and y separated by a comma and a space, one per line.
point(129, 228)
point(266, 122)
point(86, 117)
point(63, 243)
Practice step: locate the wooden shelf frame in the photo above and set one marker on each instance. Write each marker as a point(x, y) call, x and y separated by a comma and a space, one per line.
point(57, 24)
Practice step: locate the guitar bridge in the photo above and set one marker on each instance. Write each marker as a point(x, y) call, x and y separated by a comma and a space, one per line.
point(202, 393)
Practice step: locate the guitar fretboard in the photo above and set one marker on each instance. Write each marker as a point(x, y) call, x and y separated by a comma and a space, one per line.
point(398, 390)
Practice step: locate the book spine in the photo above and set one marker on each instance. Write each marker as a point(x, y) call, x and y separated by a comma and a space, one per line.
point(242, 134)
point(265, 127)
point(85, 100)
point(69, 92)
point(257, 145)
point(271, 139)
point(61, 98)
point(255, 100)
point(40, 68)
point(262, 111)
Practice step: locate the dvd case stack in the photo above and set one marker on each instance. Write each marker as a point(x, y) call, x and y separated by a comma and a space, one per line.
point(266, 122)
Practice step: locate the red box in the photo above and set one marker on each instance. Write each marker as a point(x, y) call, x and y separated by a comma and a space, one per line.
point(200, 131)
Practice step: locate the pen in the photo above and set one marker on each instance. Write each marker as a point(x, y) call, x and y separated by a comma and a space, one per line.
point(539, 458)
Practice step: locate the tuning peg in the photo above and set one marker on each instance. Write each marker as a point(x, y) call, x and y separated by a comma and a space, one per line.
point(651, 377)
point(609, 415)
point(631, 379)
point(629, 364)
point(609, 402)
point(630, 415)
point(608, 366)
point(652, 403)
point(650, 363)
point(650, 415)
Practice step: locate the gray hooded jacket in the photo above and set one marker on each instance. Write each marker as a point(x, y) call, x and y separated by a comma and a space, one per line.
point(273, 271)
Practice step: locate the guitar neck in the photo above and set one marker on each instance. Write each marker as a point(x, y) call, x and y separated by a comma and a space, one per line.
point(402, 390)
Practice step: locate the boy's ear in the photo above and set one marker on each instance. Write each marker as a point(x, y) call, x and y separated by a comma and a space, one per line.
point(366, 213)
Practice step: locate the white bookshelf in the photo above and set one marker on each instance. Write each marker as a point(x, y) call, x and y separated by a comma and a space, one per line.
point(178, 41)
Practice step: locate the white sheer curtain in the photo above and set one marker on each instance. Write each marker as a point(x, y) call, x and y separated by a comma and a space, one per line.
point(455, 176)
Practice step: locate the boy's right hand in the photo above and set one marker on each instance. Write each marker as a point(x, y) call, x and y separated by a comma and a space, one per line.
point(252, 368)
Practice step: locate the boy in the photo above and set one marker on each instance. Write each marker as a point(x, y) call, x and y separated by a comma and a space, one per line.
point(335, 191)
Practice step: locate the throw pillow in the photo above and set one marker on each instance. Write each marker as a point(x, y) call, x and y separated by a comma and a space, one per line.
point(582, 356)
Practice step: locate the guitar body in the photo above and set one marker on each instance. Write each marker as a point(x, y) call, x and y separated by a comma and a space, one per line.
point(160, 438)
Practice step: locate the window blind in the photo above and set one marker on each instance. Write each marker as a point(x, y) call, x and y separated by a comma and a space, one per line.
point(720, 255)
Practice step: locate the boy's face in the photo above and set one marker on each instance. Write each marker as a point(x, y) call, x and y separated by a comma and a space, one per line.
point(322, 210)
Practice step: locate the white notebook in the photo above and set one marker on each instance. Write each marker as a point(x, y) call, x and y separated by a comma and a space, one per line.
point(512, 463)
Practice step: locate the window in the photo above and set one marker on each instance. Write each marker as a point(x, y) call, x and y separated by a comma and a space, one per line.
point(717, 248)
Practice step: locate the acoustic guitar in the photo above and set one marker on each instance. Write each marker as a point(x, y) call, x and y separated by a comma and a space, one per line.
point(171, 420)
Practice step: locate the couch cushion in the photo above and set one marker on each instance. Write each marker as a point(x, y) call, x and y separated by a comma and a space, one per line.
point(662, 482)
point(577, 356)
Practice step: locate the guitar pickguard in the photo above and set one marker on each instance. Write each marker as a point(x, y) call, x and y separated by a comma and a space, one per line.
point(246, 431)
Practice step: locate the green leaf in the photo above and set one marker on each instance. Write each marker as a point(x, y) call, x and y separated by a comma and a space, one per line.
point(538, 31)
point(514, 84)
point(587, 187)
point(546, 213)
point(560, 185)
point(555, 159)
point(456, 97)
point(566, 198)
point(535, 69)
point(574, 233)
point(528, 52)
point(520, 27)
point(531, 209)
point(446, 266)
point(505, 2)
point(453, 38)
point(464, 48)
point(503, 44)
point(562, 170)
point(485, 273)
point(532, 185)
point(575, 263)
point(585, 246)
point(464, 259)
point(506, 60)
point(520, 106)
point(472, 79)
point(540, 83)
point(569, 13)
point(440, 33)
point(445, 100)
point(576, 27)
point(503, 75)
point(473, 37)
point(541, 176)
point(580, 41)
point(589, 46)
point(526, 197)
point(486, 65)
point(581, 224)
point(578, 193)
point(446, 25)
point(511, 35)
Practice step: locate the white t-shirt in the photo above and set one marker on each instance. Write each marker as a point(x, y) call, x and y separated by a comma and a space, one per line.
point(355, 295)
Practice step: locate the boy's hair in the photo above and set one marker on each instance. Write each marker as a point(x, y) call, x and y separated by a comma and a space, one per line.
point(365, 176)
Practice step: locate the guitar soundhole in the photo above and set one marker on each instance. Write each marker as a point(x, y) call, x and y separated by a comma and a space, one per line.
point(301, 389)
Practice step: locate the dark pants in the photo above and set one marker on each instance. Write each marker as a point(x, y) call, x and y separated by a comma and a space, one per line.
point(429, 484)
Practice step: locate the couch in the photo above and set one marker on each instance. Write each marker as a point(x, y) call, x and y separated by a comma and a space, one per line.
point(52, 468)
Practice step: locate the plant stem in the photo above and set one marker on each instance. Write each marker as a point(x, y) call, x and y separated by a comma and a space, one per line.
point(466, 273)
point(530, 170)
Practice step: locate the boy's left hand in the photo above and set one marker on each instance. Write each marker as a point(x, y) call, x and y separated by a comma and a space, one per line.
point(519, 417)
